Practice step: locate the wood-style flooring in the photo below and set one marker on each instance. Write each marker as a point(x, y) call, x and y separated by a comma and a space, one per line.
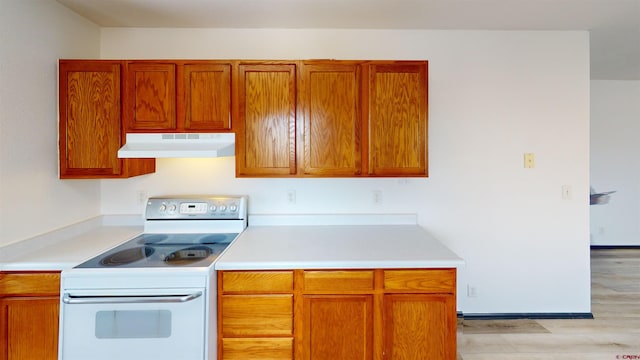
point(613, 334)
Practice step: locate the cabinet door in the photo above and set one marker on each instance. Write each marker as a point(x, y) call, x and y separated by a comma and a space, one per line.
point(398, 119)
point(419, 327)
point(266, 143)
point(31, 328)
point(150, 97)
point(330, 99)
point(337, 327)
point(207, 96)
point(90, 123)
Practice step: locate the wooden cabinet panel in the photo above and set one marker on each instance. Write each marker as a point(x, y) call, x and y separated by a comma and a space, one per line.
point(90, 129)
point(338, 327)
point(257, 281)
point(398, 119)
point(253, 315)
point(429, 280)
point(419, 327)
point(266, 141)
point(34, 284)
point(330, 101)
point(29, 311)
point(257, 349)
point(150, 98)
point(382, 314)
point(31, 327)
point(207, 96)
point(338, 281)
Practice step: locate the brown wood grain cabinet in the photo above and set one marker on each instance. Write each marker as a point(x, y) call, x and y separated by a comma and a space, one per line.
point(255, 315)
point(329, 97)
point(338, 118)
point(150, 96)
point(90, 128)
point(266, 113)
point(379, 314)
point(29, 311)
point(397, 105)
point(177, 96)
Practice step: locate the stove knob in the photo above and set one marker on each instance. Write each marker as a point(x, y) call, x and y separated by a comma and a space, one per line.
point(223, 207)
point(233, 208)
point(212, 208)
point(163, 208)
point(172, 208)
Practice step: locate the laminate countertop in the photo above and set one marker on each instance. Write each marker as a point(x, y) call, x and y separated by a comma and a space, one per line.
point(67, 247)
point(336, 247)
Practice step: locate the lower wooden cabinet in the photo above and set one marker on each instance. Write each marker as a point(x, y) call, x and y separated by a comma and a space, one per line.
point(337, 327)
point(29, 311)
point(370, 314)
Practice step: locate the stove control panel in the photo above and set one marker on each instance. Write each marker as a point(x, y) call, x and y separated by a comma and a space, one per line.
point(196, 207)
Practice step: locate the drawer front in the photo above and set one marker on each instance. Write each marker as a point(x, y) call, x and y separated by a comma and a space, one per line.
point(257, 281)
point(343, 281)
point(430, 281)
point(25, 284)
point(257, 315)
point(257, 349)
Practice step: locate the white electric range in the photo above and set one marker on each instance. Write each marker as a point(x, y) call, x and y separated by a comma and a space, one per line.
point(153, 296)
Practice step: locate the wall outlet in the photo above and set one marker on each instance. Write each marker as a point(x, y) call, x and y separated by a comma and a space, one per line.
point(472, 291)
point(566, 192)
point(291, 197)
point(141, 197)
point(377, 197)
point(529, 160)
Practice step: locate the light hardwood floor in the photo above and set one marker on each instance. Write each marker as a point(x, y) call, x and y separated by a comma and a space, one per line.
point(613, 334)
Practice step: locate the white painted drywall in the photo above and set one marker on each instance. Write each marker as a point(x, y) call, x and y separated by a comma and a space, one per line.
point(34, 35)
point(493, 96)
point(615, 127)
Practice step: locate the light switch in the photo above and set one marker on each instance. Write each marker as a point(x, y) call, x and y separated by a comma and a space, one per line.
point(529, 160)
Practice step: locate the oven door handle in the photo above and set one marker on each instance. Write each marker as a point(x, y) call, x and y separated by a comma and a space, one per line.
point(144, 299)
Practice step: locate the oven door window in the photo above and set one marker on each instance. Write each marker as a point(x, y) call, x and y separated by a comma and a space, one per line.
point(133, 324)
point(166, 325)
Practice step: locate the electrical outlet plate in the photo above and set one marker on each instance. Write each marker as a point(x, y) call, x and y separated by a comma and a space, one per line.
point(291, 196)
point(529, 161)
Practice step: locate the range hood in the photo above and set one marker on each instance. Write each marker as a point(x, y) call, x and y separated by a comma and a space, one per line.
point(178, 145)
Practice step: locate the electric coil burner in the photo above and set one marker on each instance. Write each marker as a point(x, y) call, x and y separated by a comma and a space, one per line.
point(153, 296)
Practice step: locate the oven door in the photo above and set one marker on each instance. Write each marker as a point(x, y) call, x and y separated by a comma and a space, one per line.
point(133, 324)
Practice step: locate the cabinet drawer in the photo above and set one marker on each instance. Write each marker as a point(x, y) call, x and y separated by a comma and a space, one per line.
point(257, 349)
point(25, 284)
point(257, 315)
point(431, 280)
point(344, 281)
point(257, 281)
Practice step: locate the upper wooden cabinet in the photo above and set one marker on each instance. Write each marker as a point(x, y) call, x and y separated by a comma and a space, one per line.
point(206, 101)
point(266, 126)
point(354, 118)
point(397, 94)
point(150, 96)
point(90, 130)
point(178, 96)
point(329, 97)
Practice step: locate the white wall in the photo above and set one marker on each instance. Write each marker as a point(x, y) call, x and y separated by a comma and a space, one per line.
point(34, 35)
point(615, 126)
point(493, 95)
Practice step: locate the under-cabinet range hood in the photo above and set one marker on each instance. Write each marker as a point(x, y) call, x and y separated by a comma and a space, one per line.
point(178, 145)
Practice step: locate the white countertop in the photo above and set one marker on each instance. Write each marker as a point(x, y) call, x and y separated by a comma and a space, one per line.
point(270, 242)
point(336, 246)
point(67, 247)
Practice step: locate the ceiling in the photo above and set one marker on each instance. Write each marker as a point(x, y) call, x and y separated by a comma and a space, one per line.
point(614, 25)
